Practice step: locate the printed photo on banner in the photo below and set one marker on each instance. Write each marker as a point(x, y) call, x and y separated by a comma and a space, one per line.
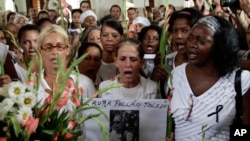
point(129, 120)
point(124, 124)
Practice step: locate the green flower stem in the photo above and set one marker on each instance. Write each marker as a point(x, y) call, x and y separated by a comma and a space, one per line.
point(103, 129)
point(87, 107)
point(169, 125)
point(211, 7)
point(203, 132)
point(1, 67)
point(58, 92)
point(13, 39)
point(40, 68)
point(61, 14)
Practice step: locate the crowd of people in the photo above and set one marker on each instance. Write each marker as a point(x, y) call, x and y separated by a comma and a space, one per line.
point(207, 48)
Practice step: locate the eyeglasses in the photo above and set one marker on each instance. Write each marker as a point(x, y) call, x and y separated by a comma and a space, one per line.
point(50, 47)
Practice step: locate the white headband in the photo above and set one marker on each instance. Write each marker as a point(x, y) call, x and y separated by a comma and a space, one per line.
point(211, 22)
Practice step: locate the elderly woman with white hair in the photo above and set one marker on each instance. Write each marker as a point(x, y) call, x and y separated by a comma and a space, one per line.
point(88, 18)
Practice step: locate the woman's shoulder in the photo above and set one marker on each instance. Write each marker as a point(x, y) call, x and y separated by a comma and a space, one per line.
point(181, 68)
point(83, 80)
point(105, 83)
point(148, 85)
point(147, 82)
point(245, 81)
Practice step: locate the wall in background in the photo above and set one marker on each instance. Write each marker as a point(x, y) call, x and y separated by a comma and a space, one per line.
point(101, 7)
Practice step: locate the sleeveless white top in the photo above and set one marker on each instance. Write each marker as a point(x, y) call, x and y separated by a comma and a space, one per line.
point(220, 97)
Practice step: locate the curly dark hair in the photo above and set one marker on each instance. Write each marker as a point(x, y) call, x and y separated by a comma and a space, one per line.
point(227, 46)
point(145, 30)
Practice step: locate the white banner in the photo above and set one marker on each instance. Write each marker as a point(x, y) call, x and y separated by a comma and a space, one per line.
point(129, 120)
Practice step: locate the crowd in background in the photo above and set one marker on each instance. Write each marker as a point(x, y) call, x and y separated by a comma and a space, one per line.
point(206, 47)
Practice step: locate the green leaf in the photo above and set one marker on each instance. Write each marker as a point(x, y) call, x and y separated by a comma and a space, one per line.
point(64, 79)
point(91, 107)
point(13, 39)
point(16, 125)
point(103, 129)
point(169, 125)
point(29, 71)
point(49, 132)
point(103, 90)
point(164, 36)
point(39, 69)
point(61, 15)
point(203, 132)
point(110, 86)
point(210, 6)
point(1, 67)
point(90, 116)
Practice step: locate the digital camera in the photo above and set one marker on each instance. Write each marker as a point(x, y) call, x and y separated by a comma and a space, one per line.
point(232, 4)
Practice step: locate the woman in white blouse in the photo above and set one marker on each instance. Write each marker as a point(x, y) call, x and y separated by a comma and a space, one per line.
point(129, 61)
point(203, 88)
point(53, 43)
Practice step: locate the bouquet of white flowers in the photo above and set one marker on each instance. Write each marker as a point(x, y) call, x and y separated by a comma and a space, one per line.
point(17, 101)
point(23, 117)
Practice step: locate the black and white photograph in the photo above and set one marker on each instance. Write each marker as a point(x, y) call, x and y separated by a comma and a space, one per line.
point(124, 125)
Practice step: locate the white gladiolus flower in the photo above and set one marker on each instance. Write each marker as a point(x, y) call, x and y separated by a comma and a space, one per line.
point(6, 105)
point(15, 90)
point(23, 114)
point(27, 99)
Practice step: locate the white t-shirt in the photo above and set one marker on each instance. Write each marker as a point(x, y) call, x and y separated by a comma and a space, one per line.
point(146, 89)
point(220, 97)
